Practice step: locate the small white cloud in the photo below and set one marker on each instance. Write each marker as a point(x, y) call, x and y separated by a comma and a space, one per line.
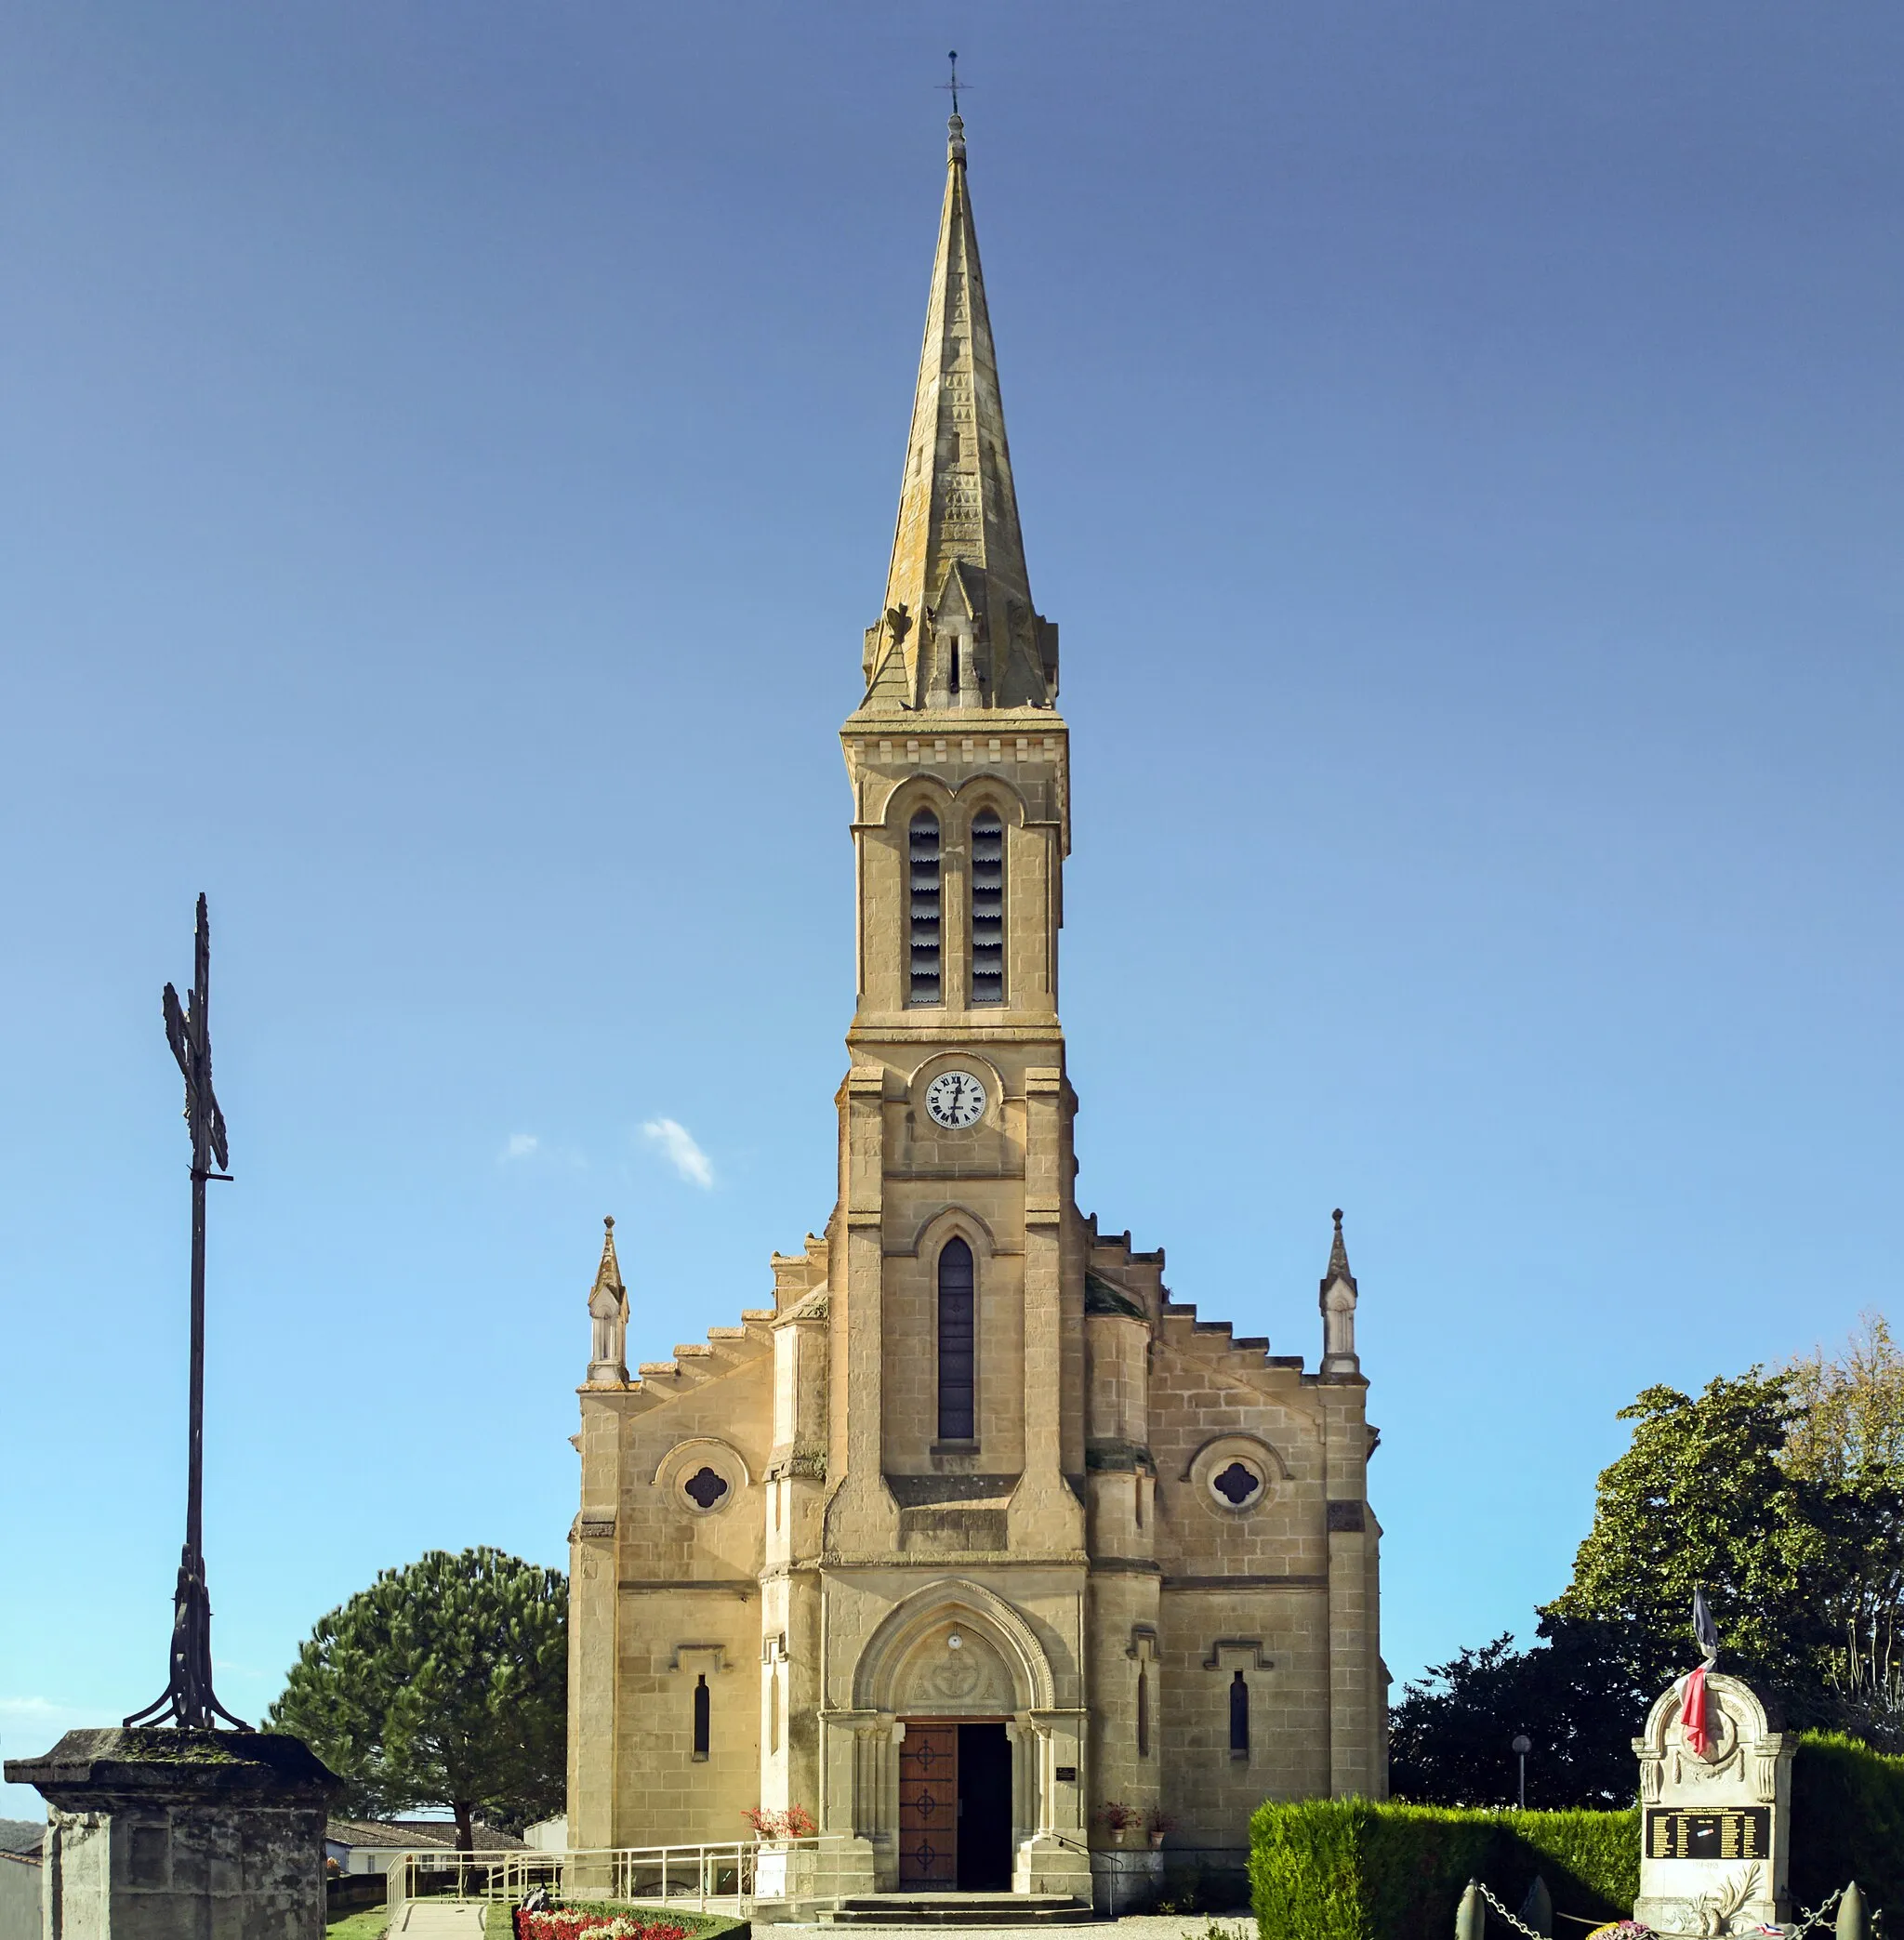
point(522, 1144)
point(32, 1708)
point(678, 1147)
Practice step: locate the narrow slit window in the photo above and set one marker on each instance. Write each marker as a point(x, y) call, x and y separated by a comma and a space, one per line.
point(703, 1709)
point(988, 908)
point(1142, 1710)
point(922, 864)
point(1239, 1716)
point(955, 1342)
point(773, 1708)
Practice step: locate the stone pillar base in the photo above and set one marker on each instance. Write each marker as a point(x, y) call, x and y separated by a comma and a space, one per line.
point(843, 1865)
point(1666, 1915)
point(1126, 1880)
point(1051, 1866)
point(181, 1832)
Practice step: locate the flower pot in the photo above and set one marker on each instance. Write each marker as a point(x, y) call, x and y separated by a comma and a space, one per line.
point(1157, 1842)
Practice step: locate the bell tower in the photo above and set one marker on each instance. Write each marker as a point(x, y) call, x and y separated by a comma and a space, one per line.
point(958, 1389)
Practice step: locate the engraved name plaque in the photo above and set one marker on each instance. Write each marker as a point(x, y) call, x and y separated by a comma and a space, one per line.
point(1745, 1833)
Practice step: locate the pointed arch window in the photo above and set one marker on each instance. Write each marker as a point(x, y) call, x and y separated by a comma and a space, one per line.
point(956, 1343)
point(1239, 1716)
point(703, 1716)
point(923, 925)
point(1143, 1709)
point(987, 907)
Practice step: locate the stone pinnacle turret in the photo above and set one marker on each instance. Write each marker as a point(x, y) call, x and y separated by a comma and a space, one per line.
point(958, 629)
point(608, 1316)
point(1338, 1268)
point(1337, 1299)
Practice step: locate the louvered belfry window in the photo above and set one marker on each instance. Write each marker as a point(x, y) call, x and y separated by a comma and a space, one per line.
point(922, 863)
point(955, 1342)
point(988, 908)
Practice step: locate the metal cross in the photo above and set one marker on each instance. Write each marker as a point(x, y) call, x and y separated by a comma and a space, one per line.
point(951, 86)
point(188, 1700)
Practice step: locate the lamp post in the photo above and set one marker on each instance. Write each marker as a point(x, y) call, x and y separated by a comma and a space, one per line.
point(1523, 1744)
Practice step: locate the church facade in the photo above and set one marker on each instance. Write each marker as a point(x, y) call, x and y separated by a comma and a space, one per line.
point(974, 1531)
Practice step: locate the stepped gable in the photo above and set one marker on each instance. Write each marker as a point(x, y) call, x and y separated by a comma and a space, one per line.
point(798, 1274)
point(696, 1363)
point(1119, 1278)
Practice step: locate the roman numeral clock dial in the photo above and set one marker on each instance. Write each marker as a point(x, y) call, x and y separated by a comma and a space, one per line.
point(955, 1098)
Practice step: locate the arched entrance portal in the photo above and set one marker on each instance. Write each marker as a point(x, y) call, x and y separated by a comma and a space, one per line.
point(954, 1695)
point(961, 1672)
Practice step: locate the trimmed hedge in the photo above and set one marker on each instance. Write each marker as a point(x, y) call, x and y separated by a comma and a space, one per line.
point(1847, 1822)
point(1351, 1869)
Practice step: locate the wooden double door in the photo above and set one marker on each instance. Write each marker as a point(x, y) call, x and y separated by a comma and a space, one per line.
point(955, 1806)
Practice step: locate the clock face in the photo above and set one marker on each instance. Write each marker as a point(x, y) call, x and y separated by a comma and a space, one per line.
point(956, 1099)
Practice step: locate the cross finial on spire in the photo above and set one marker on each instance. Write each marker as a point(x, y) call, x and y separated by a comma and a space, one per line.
point(951, 86)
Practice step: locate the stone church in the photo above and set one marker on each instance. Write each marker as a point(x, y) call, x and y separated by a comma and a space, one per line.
point(974, 1530)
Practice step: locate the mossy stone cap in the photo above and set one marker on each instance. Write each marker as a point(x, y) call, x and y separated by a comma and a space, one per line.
point(116, 1759)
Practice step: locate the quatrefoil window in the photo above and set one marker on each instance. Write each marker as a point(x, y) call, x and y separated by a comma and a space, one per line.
point(705, 1488)
point(1237, 1484)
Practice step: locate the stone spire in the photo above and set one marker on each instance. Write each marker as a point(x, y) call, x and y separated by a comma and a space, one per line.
point(608, 1316)
point(958, 629)
point(1337, 1299)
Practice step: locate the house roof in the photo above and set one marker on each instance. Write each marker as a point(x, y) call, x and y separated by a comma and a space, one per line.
point(402, 1835)
point(393, 1834)
point(21, 1837)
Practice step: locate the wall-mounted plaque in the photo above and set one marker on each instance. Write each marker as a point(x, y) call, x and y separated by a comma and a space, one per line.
point(1067, 1775)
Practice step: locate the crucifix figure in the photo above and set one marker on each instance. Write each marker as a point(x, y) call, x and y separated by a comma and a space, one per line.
point(188, 1700)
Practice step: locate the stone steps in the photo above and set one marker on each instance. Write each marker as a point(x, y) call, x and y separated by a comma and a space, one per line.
point(959, 1910)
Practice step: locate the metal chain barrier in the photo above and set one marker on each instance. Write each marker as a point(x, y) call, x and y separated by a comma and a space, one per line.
point(1519, 1925)
point(1817, 1918)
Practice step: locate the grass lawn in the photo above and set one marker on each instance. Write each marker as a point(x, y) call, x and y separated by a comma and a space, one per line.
point(367, 1925)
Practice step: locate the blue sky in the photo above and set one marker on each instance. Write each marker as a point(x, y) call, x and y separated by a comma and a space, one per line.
point(447, 455)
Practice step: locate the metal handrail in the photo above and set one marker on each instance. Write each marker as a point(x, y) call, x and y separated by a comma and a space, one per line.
point(726, 1874)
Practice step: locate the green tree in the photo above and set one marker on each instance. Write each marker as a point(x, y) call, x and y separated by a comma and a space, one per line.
point(1782, 1494)
point(442, 1684)
point(1849, 1442)
point(1851, 1409)
point(1451, 1737)
point(1702, 1496)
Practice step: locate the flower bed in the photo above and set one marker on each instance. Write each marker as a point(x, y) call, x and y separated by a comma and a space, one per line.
point(571, 1922)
